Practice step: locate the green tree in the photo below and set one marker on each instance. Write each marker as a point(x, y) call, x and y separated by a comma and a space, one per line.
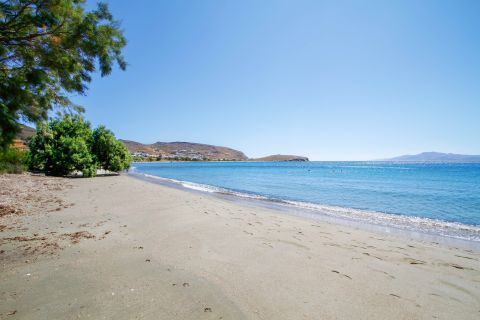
point(110, 153)
point(48, 50)
point(62, 147)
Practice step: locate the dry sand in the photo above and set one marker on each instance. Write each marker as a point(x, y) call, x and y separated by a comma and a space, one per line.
point(122, 248)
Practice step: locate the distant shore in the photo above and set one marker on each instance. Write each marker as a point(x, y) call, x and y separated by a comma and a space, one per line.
point(249, 160)
point(119, 247)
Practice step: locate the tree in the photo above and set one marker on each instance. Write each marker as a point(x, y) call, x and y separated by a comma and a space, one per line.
point(110, 153)
point(63, 146)
point(48, 50)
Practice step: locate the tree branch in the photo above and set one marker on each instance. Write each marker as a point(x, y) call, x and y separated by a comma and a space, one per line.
point(18, 14)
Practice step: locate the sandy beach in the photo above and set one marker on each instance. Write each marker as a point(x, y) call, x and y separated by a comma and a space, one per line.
point(122, 248)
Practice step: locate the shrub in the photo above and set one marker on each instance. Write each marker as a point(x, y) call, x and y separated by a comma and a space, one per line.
point(67, 145)
point(110, 153)
point(13, 160)
point(62, 147)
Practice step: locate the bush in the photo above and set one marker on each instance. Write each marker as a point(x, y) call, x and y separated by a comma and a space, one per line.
point(13, 160)
point(67, 145)
point(110, 153)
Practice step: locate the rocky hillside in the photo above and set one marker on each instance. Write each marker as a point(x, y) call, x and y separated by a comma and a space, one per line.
point(179, 150)
point(134, 146)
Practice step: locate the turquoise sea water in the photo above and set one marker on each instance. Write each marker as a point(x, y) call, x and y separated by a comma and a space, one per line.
point(443, 198)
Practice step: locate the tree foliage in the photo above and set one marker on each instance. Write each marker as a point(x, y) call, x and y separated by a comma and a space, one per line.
point(63, 146)
point(48, 50)
point(110, 153)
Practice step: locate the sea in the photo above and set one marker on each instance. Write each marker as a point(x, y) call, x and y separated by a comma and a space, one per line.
point(441, 199)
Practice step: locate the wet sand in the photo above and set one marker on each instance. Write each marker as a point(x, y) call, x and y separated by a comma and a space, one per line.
point(122, 248)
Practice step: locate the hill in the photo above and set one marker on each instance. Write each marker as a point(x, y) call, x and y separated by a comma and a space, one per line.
point(25, 132)
point(185, 150)
point(436, 157)
point(281, 157)
point(198, 151)
point(20, 141)
point(134, 147)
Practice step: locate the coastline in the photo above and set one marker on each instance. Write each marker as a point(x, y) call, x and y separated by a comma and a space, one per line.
point(449, 233)
point(119, 247)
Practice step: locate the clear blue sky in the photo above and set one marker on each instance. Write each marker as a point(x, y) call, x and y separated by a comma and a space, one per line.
point(333, 80)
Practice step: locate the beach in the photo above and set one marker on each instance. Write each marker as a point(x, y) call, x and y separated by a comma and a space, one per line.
point(122, 248)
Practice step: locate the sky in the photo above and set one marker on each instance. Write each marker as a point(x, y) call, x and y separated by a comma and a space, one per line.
point(331, 80)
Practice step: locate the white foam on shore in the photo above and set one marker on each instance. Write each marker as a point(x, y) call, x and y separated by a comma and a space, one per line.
point(207, 188)
point(403, 222)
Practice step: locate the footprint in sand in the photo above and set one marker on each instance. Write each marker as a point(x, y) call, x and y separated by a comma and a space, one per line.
point(384, 272)
point(368, 254)
point(355, 246)
point(456, 266)
point(414, 261)
point(342, 274)
point(464, 257)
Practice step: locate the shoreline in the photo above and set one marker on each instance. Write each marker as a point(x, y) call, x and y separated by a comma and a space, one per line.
point(454, 233)
point(325, 161)
point(119, 247)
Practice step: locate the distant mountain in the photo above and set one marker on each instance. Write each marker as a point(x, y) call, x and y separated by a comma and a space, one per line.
point(281, 157)
point(436, 157)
